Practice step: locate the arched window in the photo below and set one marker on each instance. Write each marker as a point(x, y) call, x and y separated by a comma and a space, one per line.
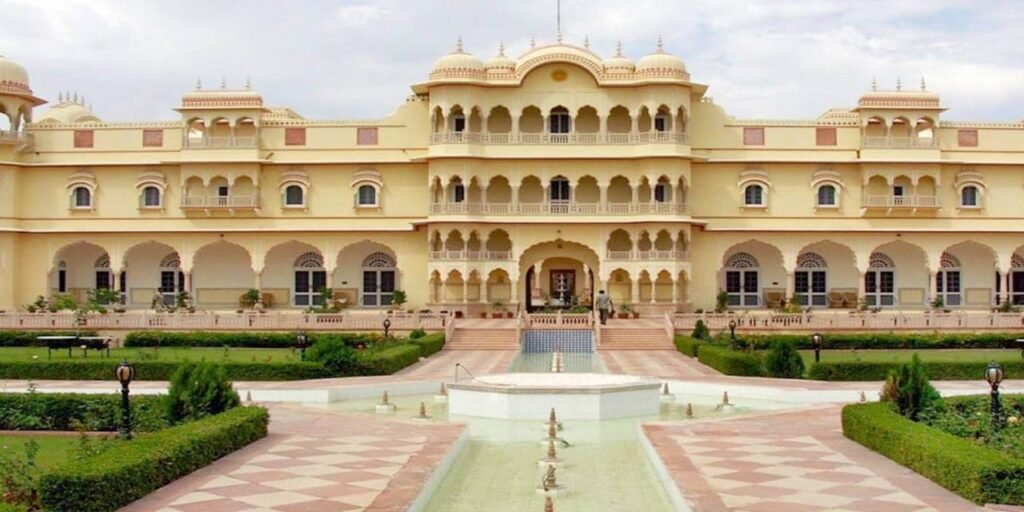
point(827, 195)
point(378, 279)
point(662, 122)
point(367, 195)
point(969, 197)
point(81, 197)
point(294, 196)
point(662, 191)
point(753, 195)
point(810, 280)
point(458, 191)
point(880, 281)
point(151, 197)
point(559, 189)
point(742, 280)
point(459, 122)
point(947, 280)
point(172, 279)
point(310, 279)
point(560, 121)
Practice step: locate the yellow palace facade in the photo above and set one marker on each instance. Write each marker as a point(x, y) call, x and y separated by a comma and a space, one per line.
point(521, 182)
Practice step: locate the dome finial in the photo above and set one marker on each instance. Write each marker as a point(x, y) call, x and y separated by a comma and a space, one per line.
point(924, 85)
point(199, 84)
point(248, 83)
point(661, 45)
point(874, 84)
point(899, 84)
point(75, 97)
point(60, 97)
point(618, 49)
point(223, 83)
point(586, 42)
point(533, 42)
point(458, 45)
point(501, 48)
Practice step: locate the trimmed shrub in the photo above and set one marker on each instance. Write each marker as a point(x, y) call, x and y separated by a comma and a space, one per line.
point(335, 355)
point(978, 473)
point(390, 360)
point(212, 339)
point(688, 345)
point(700, 331)
point(861, 341)
point(30, 338)
point(429, 344)
point(730, 362)
point(67, 411)
point(878, 370)
point(154, 370)
point(199, 390)
point(907, 387)
point(417, 333)
point(783, 361)
point(127, 471)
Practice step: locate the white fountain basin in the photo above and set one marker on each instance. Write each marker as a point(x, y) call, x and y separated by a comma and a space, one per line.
point(575, 396)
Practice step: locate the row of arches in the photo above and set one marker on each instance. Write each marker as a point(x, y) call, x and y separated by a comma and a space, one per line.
point(221, 132)
point(364, 274)
point(559, 119)
point(899, 131)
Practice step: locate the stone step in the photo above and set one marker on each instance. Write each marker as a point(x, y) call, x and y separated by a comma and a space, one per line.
point(635, 339)
point(482, 339)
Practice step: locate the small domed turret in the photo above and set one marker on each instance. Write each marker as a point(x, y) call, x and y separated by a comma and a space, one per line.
point(458, 64)
point(69, 110)
point(661, 65)
point(619, 64)
point(13, 77)
point(500, 64)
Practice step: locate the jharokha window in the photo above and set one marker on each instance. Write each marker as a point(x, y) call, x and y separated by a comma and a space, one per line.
point(753, 136)
point(294, 136)
point(825, 136)
point(83, 138)
point(366, 136)
point(967, 138)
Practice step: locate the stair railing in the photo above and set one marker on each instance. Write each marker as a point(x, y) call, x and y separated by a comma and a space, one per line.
point(670, 329)
point(449, 327)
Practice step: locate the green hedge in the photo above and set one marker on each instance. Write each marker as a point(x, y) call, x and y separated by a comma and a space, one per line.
point(730, 362)
point(429, 344)
point(29, 338)
point(154, 370)
point(978, 473)
point(841, 340)
point(242, 339)
point(128, 471)
point(688, 345)
point(389, 360)
point(67, 411)
point(937, 370)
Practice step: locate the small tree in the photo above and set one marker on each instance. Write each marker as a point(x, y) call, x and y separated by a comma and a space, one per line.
point(700, 331)
point(784, 361)
point(721, 302)
point(335, 355)
point(398, 297)
point(908, 389)
point(199, 390)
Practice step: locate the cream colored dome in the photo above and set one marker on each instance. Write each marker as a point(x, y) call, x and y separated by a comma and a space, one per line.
point(619, 64)
point(500, 64)
point(458, 64)
point(13, 77)
point(69, 111)
point(661, 65)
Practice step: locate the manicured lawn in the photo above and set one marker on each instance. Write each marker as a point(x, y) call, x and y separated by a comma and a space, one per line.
point(53, 450)
point(213, 355)
point(943, 355)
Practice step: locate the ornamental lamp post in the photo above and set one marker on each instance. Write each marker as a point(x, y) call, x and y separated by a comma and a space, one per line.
point(816, 340)
point(994, 375)
point(302, 342)
point(732, 329)
point(387, 327)
point(125, 372)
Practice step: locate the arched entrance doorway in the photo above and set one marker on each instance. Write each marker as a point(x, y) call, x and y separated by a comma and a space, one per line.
point(558, 275)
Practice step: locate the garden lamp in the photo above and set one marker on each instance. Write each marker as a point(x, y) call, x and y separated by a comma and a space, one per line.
point(994, 375)
point(301, 341)
point(732, 329)
point(816, 340)
point(387, 326)
point(125, 372)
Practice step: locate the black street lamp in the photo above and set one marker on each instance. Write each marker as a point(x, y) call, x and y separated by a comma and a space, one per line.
point(125, 373)
point(387, 326)
point(816, 340)
point(732, 329)
point(301, 342)
point(994, 375)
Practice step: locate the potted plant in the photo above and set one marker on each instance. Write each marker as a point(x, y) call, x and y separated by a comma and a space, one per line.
point(249, 298)
point(939, 303)
point(721, 302)
point(624, 312)
point(398, 298)
point(497, 309)
point(636, 314)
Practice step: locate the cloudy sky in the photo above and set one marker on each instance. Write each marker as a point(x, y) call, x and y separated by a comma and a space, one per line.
point(356, 59)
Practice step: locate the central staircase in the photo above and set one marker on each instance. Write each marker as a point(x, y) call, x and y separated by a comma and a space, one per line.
point(635, 338)
point(482, 338)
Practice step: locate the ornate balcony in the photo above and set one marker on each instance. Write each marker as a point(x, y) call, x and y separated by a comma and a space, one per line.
point(248, 202)
point(650, 255)
point(882, 142)
point(560, 208)
point(559, 138)
point(221, 142)
point(891, 201)
point(470, 255)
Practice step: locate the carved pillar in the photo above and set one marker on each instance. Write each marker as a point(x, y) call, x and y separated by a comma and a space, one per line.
point(634, 290)
point(790, 284)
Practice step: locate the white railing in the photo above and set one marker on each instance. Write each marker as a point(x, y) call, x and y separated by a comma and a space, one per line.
point(449, 326)
point(638, 255)
point(890, 201)
point(471, 255)
point(670, 328)
point(560, 208)
point(895, 142)
point(225, 141)
point(920, 320)
point(271, 321)
point(220, 202)
point(559, 138)
point(559, 320)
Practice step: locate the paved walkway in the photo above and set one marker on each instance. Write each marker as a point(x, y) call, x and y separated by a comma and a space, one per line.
point(656, 363)
point(790, 462)
point(315, 461)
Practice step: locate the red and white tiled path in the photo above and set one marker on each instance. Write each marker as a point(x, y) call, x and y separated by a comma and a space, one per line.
point(790, 462)
point(315, 461)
